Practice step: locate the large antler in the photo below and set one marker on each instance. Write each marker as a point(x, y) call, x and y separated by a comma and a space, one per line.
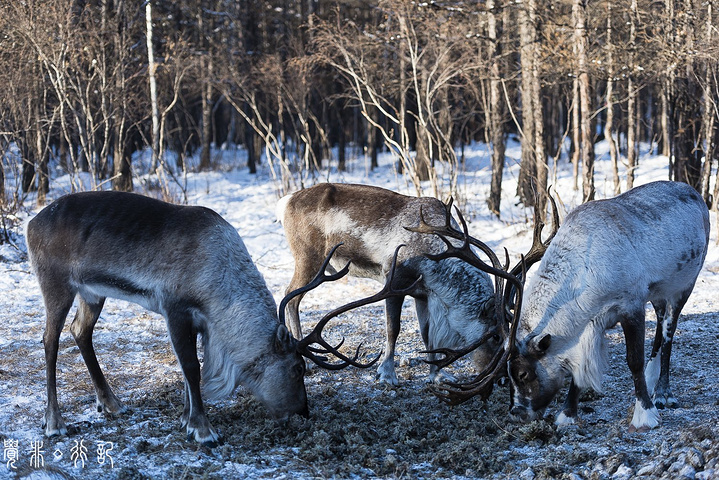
point(315, 336)
point(455, 393)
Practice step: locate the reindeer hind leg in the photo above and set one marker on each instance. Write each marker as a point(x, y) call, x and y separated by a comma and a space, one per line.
point(651, 372)
point(663, 396)
point(82, 327)
point(58, 298)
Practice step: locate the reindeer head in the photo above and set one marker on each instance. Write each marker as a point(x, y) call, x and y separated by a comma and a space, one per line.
point(288, 367)
point(277, 377)
point(535, 377)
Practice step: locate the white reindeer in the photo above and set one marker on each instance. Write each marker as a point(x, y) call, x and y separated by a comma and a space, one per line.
point(187, 264)
point(454, 301)
point(609, 258)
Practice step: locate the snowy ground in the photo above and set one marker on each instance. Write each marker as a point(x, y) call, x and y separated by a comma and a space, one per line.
point(358, 428)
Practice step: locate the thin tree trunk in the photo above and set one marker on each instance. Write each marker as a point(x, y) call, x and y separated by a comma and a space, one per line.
point(526, 187)
point(587, 138)
point(122, 151)
point(206, 115)
point(709, 118)
point(609, 125)
point(151, 69)
point(496, 114)
point(576, 134)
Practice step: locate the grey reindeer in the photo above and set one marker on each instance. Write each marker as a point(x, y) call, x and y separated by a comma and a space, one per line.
point(608, 259)
point(189, 265)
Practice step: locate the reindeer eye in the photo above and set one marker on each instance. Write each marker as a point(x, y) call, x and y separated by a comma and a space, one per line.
point(523, 374)
point(496, 338)
point(298, 371)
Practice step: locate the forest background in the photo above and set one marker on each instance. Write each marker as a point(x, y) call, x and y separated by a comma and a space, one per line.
point(87, 84)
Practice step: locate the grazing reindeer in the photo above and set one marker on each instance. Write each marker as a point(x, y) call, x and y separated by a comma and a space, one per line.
point(606, 262)
point(189, 265)
point(454, 301)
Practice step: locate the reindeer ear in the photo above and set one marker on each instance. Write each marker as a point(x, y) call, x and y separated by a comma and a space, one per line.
point(283, 340)
point(540, 344)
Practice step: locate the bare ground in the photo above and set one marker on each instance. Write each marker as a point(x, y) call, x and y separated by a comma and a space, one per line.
point(358, 428)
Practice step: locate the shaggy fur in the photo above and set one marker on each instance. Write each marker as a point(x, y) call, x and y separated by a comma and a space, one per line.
point(185, 263)
point(606, 262)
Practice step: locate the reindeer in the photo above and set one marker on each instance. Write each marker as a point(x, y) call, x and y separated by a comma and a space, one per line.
point(609, 258)
point(454, 301)
point(189, 265)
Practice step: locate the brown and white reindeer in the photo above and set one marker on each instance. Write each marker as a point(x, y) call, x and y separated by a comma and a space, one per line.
point(608, 259)
point(189, 265)
point(454, 301)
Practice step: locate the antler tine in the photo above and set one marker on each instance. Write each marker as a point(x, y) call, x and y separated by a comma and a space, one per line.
point(303, 346)
point(538, 247)
point(451, 355)
point(319, 279)
point(482, 384)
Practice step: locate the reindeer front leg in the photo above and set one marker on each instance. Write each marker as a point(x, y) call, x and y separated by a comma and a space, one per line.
point(571, 406)
point(386, 372)
point(184, 342)
point(646, 415)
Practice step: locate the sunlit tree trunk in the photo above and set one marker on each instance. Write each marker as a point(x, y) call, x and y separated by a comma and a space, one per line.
point(151, 69)
point(496, 112)
point(609, 125)
point(585, 109)
point(528, 167)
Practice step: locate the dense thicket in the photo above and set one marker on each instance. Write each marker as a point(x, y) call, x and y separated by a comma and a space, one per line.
point(299, 82)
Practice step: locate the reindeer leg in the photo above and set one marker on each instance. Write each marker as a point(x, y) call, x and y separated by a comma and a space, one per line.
point(385, 371)
point(184, 342)
point(82, 327)
point(571, 406)
point(651, 372)
point(663, 396)
point(58, 300)
point(646, 415)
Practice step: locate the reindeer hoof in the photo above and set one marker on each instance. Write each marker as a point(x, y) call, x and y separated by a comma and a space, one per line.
point(441, 377)
point(387, 378)
point(667, 401)
point(644, 419)
point(54, 428)
point(642, 429)
point(564, 420)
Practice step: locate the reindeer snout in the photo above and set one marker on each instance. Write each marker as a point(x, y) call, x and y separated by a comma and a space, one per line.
point(305, 413)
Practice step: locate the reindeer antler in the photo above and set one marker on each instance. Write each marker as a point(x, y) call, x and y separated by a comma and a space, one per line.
point(455, 393)
point(315, 336)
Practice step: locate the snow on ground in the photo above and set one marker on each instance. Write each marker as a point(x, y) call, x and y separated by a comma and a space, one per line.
point(143, 362)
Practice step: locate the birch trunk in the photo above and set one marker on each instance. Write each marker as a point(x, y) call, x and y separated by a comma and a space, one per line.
point(151, 69)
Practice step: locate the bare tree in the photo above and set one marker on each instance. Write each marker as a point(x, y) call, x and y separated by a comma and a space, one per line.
point(497, 109)
point(609, 125)
point(579, 12)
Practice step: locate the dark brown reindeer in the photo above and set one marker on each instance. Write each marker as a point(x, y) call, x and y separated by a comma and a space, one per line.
point(189, 265)
point(454, 301)
point(609, 259)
